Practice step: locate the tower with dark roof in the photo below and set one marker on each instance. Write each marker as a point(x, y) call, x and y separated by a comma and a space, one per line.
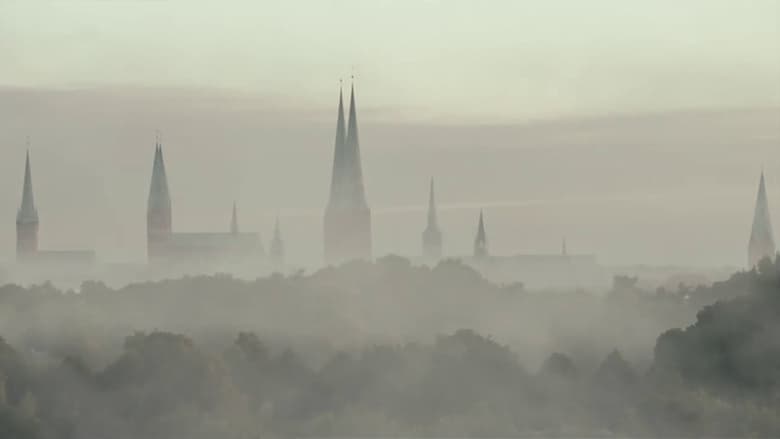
point(762, 242)
point(158, 211)
point(431, 236)
point(27, 218)
point(347, 221)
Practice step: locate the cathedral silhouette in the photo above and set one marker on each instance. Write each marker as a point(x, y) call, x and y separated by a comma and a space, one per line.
point(347, 228)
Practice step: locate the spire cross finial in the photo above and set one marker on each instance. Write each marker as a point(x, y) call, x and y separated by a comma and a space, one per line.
point(27, 142)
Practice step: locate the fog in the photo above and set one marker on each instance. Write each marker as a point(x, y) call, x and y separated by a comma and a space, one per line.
point(613, 149)
point(602, 123)
point(648, 188)
point(388, 348)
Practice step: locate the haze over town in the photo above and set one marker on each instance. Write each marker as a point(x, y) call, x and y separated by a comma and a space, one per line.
point(389, 218)
point(636, 135)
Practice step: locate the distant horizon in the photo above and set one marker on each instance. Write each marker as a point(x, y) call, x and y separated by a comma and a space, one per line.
point(102, 142)
point(637, 129)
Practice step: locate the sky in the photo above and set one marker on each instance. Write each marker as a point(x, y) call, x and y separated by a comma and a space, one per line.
point(637, 129)
point(445, 60)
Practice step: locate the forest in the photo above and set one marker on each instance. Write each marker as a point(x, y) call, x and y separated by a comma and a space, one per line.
point(389, 349)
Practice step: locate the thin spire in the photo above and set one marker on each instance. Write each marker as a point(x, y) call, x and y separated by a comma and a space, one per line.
point(27, 212)
point(339, 153)
point(432, 217)
point(431, 236)
point(355, 169)
point(480, 242)
point(277, 245)
point(762, 242)
point(563, 247)
point(347, 189)
point(234, 221)
point(159, 196)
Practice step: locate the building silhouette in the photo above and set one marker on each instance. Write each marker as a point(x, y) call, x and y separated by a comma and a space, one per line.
point(27, 223)
point(276, 251)
point(347, 219)
point(431, 236)
point(234, 221)
point(27, 218)
point(480, 241)
point(762, 242)
point(166, 247)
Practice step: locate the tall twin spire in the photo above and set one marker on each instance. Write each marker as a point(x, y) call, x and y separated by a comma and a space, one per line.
point(347, 187)
point(347, 221)
point(762, 242)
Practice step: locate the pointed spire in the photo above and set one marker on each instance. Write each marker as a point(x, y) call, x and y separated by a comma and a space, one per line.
point(480, 241)
point(234, 221)
point(346, 186)
point(27, 213)
point(347, 220)
point(432, 218)
point(563, 247)
point(277, 245)
point(339, 153)
point(356, 195)
point(352, 129)
point(159, 197)
point(431, 237)
point(762, 243)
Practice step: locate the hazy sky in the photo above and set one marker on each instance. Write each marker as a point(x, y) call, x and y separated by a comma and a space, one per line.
point(473, 60)
point(517, 106)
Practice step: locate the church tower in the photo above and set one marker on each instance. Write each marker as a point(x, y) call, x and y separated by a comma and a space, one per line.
point(431, 236)
point(480, 241)
point(762, 242)
point(277, 246)
point(158, 210)
point(27, 218)
point(234, 221)
point(347, 221)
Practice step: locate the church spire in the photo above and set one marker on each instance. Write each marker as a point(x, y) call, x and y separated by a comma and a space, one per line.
point(277, 245)
point(159, 216)
point(27, 213)
point(762, 243)
point(480, 241)
point(432, 218)
point(27, 217)
point(347, 221)
point(431, 237)
point(356, 194)
point(339, 153)
point(159, 197)
point(234, 221)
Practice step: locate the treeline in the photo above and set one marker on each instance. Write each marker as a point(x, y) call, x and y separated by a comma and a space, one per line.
point(719, 376)
point(389, 300)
